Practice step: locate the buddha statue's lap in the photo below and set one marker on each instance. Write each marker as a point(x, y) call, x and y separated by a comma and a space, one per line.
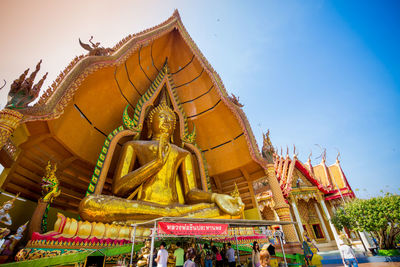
point(153, 184)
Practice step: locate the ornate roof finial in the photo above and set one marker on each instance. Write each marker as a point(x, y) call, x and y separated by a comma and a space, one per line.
point(323, 153)
point(22, 92)
point(338, 156)
point(267, 149)
point(294, 151)
point(267, 140)
point(287, 151)
point(309, 156)
point(235, 100)
point(95, 49)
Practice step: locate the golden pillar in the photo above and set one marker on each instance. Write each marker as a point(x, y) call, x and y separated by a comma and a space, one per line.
point(9, 121)
point(281, 207)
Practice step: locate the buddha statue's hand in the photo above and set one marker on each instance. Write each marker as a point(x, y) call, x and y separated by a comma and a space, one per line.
point(228, 204)
point(164, 148)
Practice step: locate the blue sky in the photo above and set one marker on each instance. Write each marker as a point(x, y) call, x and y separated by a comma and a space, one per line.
point(322, 73)
point(313, 72)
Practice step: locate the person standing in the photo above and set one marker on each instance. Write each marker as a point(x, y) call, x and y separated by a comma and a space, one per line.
point(178, 254)
point(223, 254)
point(162, 255)
point(230, 255)
point(190, 256)
point(217, 256)
point(348, 255)
point(155, 257)
point(208, 256)
point(255, 255)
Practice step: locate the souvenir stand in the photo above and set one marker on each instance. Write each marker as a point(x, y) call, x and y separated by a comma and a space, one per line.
point(218, 229)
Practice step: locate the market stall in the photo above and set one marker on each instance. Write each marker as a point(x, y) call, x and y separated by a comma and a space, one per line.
point(237, 230)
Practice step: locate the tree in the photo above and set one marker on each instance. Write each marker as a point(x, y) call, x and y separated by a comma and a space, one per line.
point(379, 215)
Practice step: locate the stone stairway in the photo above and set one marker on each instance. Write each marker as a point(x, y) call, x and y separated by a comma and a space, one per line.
point(328, 246)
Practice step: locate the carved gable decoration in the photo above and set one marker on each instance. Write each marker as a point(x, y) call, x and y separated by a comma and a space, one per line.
point(299, 180)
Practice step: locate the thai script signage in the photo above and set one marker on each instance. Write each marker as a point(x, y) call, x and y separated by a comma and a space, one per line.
point(192, 228)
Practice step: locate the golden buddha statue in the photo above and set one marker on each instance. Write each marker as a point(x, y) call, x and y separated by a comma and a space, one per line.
point(171, 258)
point(143, 256)
point(146, 178)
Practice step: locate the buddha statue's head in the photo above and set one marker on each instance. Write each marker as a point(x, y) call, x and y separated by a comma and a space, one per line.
point(161, 121)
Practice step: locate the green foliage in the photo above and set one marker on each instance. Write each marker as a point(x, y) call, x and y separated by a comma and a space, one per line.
point(379, 216)
point(388, 252)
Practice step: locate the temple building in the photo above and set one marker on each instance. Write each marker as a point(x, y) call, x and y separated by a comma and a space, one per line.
point(97, 118)
point(313, 193)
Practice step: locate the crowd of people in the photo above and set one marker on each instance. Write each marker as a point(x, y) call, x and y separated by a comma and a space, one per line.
point(207, 255)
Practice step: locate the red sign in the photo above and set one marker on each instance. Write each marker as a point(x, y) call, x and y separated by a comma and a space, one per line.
point(192, 228)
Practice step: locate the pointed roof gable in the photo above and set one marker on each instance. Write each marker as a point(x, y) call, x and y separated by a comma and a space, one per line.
point(85, 104)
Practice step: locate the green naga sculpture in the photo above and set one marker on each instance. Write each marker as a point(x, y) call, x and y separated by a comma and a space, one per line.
point(22, 91)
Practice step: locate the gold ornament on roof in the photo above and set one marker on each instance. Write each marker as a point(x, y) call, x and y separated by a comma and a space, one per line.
point(95, 49)
point(267, 150)
point(266, 139)
point(235, 100)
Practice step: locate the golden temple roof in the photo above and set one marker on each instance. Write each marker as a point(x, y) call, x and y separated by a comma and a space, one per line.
point(74, 116)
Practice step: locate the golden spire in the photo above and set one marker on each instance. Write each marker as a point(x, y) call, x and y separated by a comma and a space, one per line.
point(235, 193)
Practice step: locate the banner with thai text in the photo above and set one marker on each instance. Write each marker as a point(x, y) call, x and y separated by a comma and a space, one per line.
point(192, 228)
